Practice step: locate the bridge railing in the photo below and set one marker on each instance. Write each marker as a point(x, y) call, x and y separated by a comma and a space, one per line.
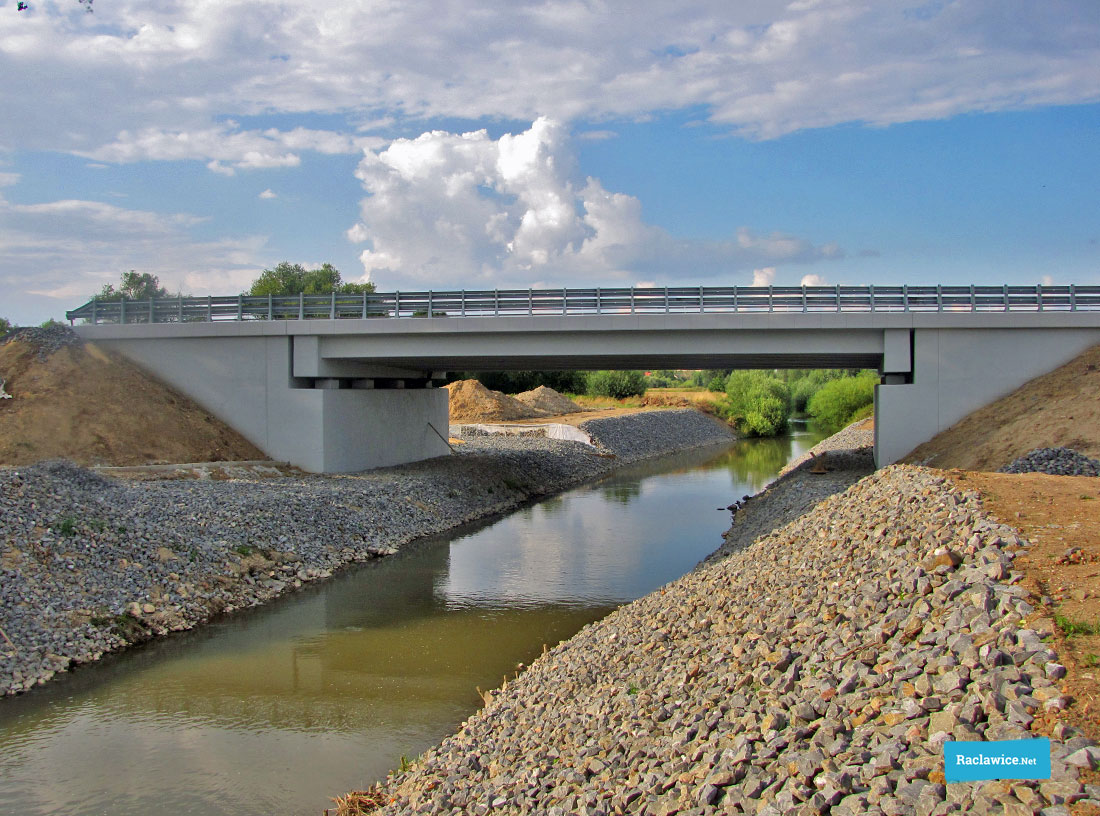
point(635, 300)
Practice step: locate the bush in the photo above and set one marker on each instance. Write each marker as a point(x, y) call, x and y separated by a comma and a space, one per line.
point(717, 385)
point(616, 384)
point(758, 402)
point(838, 401)
point(5, 326)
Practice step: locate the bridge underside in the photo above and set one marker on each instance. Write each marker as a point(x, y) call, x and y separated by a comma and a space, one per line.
point(348, 395)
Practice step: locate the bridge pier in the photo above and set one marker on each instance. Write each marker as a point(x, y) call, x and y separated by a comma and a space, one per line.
point(321, 424)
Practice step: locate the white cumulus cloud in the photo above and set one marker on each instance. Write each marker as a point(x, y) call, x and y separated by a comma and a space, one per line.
point(763, 277)
point(465, 209)
point(813, 279)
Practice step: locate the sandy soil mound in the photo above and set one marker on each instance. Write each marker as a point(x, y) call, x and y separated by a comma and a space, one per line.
point(1059, 409)
point(79, 402)
point(549, 401)
point(470, 401)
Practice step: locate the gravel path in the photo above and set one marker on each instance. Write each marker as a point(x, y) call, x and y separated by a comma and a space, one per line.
point(89, 565)
point(817, 670)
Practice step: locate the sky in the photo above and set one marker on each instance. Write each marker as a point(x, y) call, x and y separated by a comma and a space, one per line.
point(473, 145)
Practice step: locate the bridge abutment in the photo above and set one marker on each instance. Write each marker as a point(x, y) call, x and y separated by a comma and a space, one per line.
point(957, 371)
point(322, 424)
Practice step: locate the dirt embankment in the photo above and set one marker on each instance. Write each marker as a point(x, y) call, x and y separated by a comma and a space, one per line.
point(1058, 409)
point(91, 406)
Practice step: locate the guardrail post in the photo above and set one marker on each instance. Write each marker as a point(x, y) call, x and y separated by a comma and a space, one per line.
point(122, 311)
point(771, 303)
point(270, 312)
point(973, 299)
point(462, 302)
point(301, 306)
point(564, 301)
point(429, 302)
point(838, 297)
point(702, 305)
point(804, 308)
point(364, 305)
point(666, 300)
point(332, 308)
point(1039, 296)
point(939, 297)
point(240, 307)
point(397, 304)
point(1073, 297)
point(151, 307)
point(530, 301)
point(598, 306)
point(179, 308)
point(209, 308)
point(871, 296)
point(735, 300)
point(496, 302)
point(1005, 291)
point(905, 297)
point(632, 300)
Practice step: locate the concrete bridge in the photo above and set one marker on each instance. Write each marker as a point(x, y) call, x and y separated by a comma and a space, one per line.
point(340, 383)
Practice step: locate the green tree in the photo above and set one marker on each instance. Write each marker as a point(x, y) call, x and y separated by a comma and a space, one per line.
point(134, 286)
point(5, 326)
point(758, 402)
point(616, 384)
point(293, 279)
point(838, 401)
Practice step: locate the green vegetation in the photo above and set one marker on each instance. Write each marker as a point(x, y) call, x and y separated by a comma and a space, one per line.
point(757, 402)
point(243, 549)
point(1070, 627)
point(632, 689)
point(5, 326)
point(616, 384)
point(67, 527)
point(134, 286)
point(838, 402)
point(294, 279)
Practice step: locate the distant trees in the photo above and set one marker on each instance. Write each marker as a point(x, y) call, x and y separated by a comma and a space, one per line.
point(616, 384)
point(516, 382)
point(293, 279)
point(134, 286)
point(5, 326)
point(841, 401)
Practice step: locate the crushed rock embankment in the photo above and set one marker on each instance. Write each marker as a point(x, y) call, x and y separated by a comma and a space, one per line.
point(818, 670)
point(89, 565)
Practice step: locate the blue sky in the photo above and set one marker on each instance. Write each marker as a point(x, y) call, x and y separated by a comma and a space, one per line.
point(475, 145)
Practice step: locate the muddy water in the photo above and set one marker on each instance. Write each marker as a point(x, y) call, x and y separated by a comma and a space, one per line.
point(275, 710)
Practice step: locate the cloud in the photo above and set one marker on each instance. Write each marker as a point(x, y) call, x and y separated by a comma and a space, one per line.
point(67, 250)
point(761, 69)
point(813, 279)
point(268, 193)
point(1047, 280)
point(227, 148)
point(763, 277)
point(462, 208)
point(9, 179)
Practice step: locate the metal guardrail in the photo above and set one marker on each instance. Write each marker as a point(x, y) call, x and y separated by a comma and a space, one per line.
point(667, 300)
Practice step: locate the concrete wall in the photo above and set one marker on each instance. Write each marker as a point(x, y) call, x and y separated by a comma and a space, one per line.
point(957, 371)
point(247, 383)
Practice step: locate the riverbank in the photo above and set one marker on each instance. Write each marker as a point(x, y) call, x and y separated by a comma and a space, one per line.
point(91, 565)
point(819, 669)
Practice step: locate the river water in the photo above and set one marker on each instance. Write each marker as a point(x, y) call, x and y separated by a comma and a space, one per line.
point(273, 711)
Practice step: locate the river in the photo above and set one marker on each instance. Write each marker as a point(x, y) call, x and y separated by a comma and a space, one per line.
point(274, 710)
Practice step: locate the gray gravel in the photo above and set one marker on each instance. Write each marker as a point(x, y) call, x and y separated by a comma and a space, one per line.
point(46, 340)
point(89, 564)
point(818, 670)
point(1055, 461)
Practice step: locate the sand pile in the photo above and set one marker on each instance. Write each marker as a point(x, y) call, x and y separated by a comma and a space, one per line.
point(549, 401)
point(76, 401)
point(1059, 409)
point(470, 401)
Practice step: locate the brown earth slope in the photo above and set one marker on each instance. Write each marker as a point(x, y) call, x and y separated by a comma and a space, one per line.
point(95, 408)
point(1059, 409)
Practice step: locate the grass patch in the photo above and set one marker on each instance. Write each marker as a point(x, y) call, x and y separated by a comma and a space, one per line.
point(1070, 627)
point(243, 549)
point(67, 527)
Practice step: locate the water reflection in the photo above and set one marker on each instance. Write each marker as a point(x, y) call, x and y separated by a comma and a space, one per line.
point(277, 709)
